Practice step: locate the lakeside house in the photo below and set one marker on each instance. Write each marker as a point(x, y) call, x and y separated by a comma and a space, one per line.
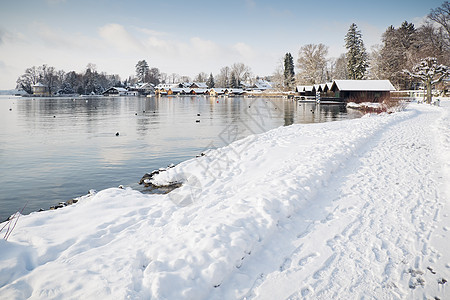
point(362, 90)
point(201, 88)
point(40, 90)
point(346, 91)
point(142, 89)
point(119, 91)
point(306, 90)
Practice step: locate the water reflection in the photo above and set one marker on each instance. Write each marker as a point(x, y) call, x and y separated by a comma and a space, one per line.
point(53, 149)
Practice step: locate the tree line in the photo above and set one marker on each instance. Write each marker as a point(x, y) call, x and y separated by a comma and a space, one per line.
point(58, 81)
point(90, 81)
point(402, 51)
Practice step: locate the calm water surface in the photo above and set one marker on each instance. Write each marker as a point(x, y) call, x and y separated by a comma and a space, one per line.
point(55, 149)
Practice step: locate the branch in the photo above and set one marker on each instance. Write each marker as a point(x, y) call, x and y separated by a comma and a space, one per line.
point(445, 74)
point(421, 77)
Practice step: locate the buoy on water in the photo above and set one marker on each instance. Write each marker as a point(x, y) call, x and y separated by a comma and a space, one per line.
point(117, 133)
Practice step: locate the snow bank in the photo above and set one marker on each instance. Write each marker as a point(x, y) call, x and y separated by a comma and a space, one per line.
point(208, 239)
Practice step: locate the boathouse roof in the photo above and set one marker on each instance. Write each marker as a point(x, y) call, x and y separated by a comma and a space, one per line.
point(363, 85)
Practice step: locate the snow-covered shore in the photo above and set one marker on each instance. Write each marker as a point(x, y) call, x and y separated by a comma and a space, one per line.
point(320, 211)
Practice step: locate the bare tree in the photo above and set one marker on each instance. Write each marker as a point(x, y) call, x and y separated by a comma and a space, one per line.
point(375, 70)
point(201, 77)
point(224, 77)
point(312, 64)
point(441, 15)
point(241, 72)
point(154, 76)
point(339, 68)
point(174, 77)
point(278, 75)
point(185, 78)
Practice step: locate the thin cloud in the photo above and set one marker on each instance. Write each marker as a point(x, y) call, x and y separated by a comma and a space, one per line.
point(243, 50)
point(119, 38)
point(150, 32)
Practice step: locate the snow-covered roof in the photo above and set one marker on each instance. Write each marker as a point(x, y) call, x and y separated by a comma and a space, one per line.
point(322, 86)
point(199, 91)
point(200, 85)
point(263, 85)
point(363, 85)
point(38, 84)
point(167, 85)
point(147, 86)
point(235, 91)
point(309, 88)
point(218, 90)
point(120, 89)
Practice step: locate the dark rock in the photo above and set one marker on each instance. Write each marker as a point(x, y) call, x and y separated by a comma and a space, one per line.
point(117, 133)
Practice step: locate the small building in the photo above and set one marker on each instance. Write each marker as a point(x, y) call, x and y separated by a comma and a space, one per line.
point(198, 91)
point(217, 92)
point(118, 91)
point(261, 85)
point(167, 86)
point(361, 90)
point(199, 85)
point(235, 92)
point(146, 89)
point(40, 90)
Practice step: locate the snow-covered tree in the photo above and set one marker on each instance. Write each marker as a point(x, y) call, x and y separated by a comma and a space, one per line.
point(339, 68)
point(223, 79)
point(201, 77)
point(277, 77)
point(28, 79)
point(430, 72)
point(142, 70)
point(312, 64)
point(241, 72)
point(210, 82)
point(234, 81)
point(289, 74)
point(154, 76)
point(357, 58)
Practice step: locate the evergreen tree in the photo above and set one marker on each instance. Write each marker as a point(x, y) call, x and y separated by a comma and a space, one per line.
point(142, 71)
point(234, 83)
point(289, 74)
point(210, 82)
point(357, 58)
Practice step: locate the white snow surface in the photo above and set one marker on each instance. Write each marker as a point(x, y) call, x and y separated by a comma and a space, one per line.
point(343, 210)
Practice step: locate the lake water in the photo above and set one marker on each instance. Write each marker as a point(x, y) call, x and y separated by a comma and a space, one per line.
point(55, 149)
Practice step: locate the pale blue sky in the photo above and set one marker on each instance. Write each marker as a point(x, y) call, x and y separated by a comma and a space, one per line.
point(184, 37)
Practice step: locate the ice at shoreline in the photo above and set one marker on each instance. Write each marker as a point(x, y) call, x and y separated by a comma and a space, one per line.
point(332, 210)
